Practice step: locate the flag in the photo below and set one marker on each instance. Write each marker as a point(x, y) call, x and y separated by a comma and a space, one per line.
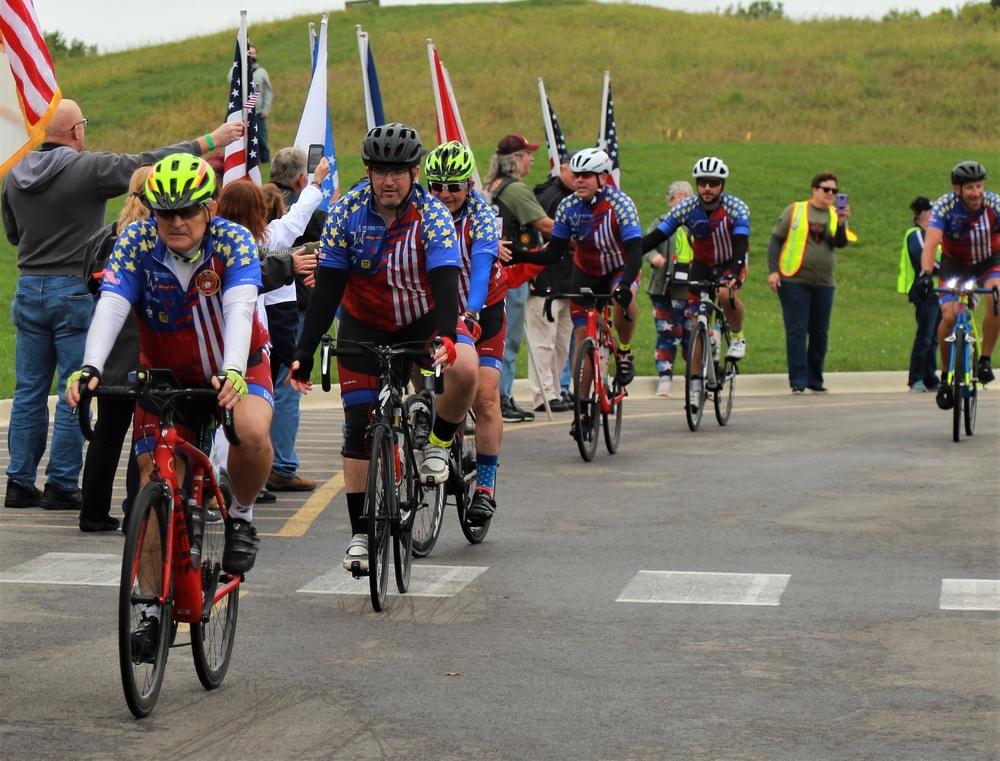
point(607, 139)
point(553, 133)
point(242, 157)
point(449, 122)
point(373, 96)
point(29, 93)
point(314, 126)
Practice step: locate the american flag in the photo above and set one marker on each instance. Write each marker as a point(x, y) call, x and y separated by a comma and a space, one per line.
point(607, 140)
point(242, 156)
point(553, 134)
point(252, 100)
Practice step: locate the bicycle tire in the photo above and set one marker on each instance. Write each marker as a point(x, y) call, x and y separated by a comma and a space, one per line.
point(726, 391)
point(379, 492)
point(408, 495)
point(695, 371)
point(428, 515)
point(971, 405)
point(584, 417)
point(212, 640)
point(464, 459)
point(612, 419)
point(141, 579)
point(958, 384)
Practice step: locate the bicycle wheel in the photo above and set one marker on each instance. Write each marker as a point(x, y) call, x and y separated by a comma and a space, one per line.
point(144, 628)
point(694, 375)
point(408, 495)
point(464, 459)
point(585, 417)
point(972, 399)
point(612, 419)
point(725, 393)
point(958, 384)
point(212, 639)
point(428, 515)
point(379, 493)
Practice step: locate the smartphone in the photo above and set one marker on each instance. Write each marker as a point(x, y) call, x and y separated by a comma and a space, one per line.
point(841, 201)
point(315, 156)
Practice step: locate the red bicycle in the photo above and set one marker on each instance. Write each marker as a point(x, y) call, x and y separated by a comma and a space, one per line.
point(175, 535)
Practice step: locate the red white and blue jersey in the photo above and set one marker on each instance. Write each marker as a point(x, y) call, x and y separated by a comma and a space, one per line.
point(969, 236)
point(478, 235)
point(182, 329)
point(599, 227)
point(711, 234)
point(388, 288)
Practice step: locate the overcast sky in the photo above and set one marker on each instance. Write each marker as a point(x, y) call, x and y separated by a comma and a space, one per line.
point(122, 24)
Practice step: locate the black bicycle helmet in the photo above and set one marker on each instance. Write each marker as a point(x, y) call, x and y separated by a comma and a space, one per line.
point(392, 146)
point(968, 171)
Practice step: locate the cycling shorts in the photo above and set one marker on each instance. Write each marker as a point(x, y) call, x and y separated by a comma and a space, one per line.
point(493, 321)
point(987, 269)
point(702, 271)
point(598, 284)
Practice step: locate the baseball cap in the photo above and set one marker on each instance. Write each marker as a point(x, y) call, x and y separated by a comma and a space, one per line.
point(514, 143)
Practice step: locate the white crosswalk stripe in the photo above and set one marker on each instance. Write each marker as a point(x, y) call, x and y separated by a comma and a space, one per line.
point(425, 581)
point(688, 588)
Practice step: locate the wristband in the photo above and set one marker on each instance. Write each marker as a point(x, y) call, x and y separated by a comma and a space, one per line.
point(208, 139)
point(318, 184)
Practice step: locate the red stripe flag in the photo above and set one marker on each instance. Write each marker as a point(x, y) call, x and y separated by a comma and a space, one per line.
point(28, 90)
point(242, 156)
point(449, 123)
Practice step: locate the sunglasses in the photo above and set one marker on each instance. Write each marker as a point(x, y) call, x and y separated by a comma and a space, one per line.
point(709, 183)
point(451, 187)
point(189, 212)
point(381, 174)
point(826, 189)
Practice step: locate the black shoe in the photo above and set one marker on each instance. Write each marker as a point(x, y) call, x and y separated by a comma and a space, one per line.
point(985, 371)
point(626, 369)
point(481, 510)
point(945, 399)
point(509, 412)
point(21, 496)
point(145, 638)
point(818, 389)
point(798, 389)
point(556, 405)
point(107, 524)
point(575, 434)
point(241, 546)
point(528, 415)
point(567, 399)
point(265, 498)
point(54, 498)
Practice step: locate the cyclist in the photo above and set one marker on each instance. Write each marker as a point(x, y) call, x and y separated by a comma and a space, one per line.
point(192, 279)
point(966, 224)
point(719, 227)
point(482, 288)
point(605, 225)
point(389, 256)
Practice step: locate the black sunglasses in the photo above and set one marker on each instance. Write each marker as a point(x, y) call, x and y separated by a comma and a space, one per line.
point(825, 189)
point(709, 183)
point(451, 187)
point(186, 213)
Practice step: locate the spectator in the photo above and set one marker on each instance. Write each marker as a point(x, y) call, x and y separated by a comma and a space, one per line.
point(259, 77)
point(801, 258)
point(114, 416)
point(53, 202)
point(668, 291)
point(504, 187)
point(923, 357)
point(550, 341)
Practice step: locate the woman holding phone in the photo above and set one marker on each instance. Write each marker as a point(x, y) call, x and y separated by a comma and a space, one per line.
point(801, 259)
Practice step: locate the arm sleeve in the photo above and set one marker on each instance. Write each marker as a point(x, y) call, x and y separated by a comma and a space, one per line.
point(327, 295)
point(840, 238)
point(633, 260)
point(275, 270)
point(915, 248)
point(444, 290)
point(282, 232)
point(653, 239)
point(479, 286)
point(548, 255)
point(740, 244)
point(238, 304)
point(109, 316)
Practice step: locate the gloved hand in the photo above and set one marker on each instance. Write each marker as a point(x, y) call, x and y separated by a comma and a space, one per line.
point(239, 383)
point(924, 284)
point(471, 320)
point(301, 373)
point(622, 294)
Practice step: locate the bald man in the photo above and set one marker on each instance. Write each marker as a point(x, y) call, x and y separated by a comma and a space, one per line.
point(53, 201)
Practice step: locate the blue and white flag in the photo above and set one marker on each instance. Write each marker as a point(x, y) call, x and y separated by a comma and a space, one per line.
point(314, 126)
point(373, 96)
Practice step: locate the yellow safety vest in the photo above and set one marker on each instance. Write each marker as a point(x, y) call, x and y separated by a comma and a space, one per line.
point(798, 234)
point(906, 274)
point(683, 253)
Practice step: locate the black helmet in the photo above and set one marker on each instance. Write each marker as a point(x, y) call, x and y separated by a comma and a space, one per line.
point(392, 146)
point(968, 171)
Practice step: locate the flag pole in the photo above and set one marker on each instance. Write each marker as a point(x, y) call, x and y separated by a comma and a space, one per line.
point(550, 137)
point(602, 133)
point(244, 80)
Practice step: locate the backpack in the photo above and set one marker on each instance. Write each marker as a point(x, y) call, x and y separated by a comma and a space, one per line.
point(96, 255)
point(522, 237)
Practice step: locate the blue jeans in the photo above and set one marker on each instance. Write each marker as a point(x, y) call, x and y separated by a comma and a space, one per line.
point(806, 309)
point(51, 314)
point(285, 423)
point(517, 298)
point(923, 357)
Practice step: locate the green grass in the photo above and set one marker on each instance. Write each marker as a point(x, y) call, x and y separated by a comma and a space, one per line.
point(888, 106)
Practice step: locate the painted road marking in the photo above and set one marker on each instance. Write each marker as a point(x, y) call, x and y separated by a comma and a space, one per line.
point(304, 517)
point(81, 568)
point(970, 594)
point(687, 588)
point(425, 581)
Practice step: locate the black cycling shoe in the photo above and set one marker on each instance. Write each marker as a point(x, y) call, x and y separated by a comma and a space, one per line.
point(626, 369)
point(241, 546)
point(985, 371)
point(145, 638)
point(481, 510)
point(945, 399)
point(575, 434)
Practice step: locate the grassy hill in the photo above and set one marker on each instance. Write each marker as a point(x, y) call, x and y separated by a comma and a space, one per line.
point(890, 106)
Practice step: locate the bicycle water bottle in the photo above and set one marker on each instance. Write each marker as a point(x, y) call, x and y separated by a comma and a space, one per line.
point(397, 447)
point(197, 524)
point(714, 338)
point(603, 354)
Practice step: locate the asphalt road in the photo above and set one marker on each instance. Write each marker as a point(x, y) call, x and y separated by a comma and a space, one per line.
point(818, 580)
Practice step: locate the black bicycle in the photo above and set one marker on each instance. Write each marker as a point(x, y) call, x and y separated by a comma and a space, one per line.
point(709, 369)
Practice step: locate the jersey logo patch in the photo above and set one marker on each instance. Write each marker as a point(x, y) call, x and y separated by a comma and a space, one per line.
point(208, 283)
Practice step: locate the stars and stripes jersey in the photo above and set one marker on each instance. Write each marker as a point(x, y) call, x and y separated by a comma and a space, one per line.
point(478, 235)
point(711, 234)
point(182, 328)
point(387, 285)
point(599, 227)
point(969, 236)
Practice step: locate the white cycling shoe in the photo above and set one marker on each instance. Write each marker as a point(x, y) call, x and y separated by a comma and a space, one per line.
point(357, 552)
point(737, 349)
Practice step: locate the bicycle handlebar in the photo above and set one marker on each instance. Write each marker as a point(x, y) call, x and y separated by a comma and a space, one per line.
point(384, 352)
point(716, 285)
point(585, 296)
point(967, 289)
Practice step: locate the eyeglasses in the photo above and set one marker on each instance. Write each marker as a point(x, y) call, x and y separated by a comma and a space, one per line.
point(381, 174)
point(585, 175)
point(189, 212)
point(708, 182)
point(84, 122)
point(451, 187)
point(826, 189)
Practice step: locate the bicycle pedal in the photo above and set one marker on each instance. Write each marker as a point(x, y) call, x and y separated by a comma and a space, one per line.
point(356, 571)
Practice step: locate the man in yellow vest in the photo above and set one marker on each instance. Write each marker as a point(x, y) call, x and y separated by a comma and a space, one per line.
point(801, 258)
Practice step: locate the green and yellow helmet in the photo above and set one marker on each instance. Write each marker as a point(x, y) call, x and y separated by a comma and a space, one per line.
point(450, 162)
point(180, 181)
